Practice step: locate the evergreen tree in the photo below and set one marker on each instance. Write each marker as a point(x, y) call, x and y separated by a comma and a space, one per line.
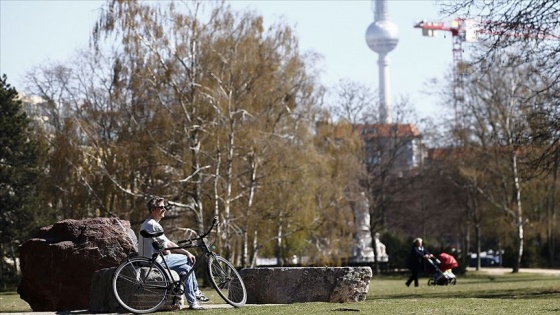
point(18, 178)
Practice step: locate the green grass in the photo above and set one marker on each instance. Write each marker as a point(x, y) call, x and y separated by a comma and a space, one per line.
point(475, 294)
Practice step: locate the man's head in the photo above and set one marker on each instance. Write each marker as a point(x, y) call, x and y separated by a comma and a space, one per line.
point(156, 207)
point(418, 241)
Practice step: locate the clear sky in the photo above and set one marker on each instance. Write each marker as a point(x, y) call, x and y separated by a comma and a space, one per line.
point(32, 32)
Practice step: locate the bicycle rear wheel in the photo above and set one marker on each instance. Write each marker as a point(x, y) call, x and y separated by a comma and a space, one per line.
point(227, 281)
point(140, 286)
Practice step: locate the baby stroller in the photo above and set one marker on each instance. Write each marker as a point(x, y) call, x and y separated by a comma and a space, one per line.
point(442, 266)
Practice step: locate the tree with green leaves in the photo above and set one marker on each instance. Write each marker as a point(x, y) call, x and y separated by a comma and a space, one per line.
point(205, 106)
point(202, 105)
point(205, 88)
point(19, 174)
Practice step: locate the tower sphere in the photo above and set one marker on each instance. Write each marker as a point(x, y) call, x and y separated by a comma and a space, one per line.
point(382, 36)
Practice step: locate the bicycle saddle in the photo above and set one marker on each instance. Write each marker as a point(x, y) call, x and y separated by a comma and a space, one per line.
point(147, 234)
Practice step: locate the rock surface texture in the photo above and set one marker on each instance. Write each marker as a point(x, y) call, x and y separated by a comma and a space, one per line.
point(306, 284)
point(102, 299)
point(57, 265)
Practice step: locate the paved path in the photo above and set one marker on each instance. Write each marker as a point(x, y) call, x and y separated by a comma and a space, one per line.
point(207, 306)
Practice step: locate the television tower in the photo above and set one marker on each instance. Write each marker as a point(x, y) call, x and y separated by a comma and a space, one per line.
point(382, 37)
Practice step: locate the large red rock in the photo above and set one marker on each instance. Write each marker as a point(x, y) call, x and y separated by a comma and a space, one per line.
point(57, 265)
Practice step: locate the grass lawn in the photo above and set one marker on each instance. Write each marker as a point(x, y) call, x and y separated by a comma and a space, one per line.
point(474, 294)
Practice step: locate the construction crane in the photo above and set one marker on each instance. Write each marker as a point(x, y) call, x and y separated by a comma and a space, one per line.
point(467, 30)
point(462, 30)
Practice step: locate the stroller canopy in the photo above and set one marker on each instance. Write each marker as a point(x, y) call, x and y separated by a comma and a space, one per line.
point(447, 261)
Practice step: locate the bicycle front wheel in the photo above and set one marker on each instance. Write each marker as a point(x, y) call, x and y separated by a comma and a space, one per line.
point(140, 286)
point(227, 281)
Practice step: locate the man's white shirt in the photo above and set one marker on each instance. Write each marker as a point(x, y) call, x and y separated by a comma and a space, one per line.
point(145, 247)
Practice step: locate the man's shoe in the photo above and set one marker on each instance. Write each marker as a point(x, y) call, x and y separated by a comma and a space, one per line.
point(195, 306)
point(200, 297)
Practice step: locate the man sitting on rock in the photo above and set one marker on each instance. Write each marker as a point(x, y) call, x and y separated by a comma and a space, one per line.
point(179, 260)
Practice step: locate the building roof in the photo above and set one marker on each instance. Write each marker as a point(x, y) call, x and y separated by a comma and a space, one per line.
point(370, 131)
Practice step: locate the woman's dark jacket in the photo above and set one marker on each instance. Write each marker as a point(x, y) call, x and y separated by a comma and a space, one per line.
point(416, 257)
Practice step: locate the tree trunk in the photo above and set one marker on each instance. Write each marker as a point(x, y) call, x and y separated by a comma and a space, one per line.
point(375, 254)
point(255, 250)
point(477, 242)
point(279, 260)
point(2, 265)
point(248, 211)
point(466, 246)
point(552, 216)
point(519, 213)
point(217, 181)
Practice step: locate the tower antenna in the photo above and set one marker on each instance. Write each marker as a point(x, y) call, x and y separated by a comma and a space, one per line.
point(382, 37)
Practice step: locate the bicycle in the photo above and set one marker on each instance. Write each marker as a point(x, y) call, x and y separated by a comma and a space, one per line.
point(142, 285)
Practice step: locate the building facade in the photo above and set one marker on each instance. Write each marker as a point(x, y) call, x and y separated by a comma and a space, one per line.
point(396, 146)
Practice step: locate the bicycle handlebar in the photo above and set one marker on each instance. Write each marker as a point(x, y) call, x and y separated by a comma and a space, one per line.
point(200, 237)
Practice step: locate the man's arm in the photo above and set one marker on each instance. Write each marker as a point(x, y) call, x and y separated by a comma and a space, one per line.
point(422, 253)
point(191, 257)
point(427, 254)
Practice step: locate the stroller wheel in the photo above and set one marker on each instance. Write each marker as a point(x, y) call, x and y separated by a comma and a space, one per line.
point(454, 281)
point(431, 282)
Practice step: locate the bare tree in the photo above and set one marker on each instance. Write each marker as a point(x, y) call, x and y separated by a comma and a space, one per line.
point(354, 102)
point(530, 32)
point(500, 117)
point(531, 28)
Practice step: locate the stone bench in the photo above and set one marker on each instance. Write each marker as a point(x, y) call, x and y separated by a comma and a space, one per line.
point(102, 300)
point(287, 285)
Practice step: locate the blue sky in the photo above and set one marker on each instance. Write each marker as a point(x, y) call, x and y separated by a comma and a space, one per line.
point(32, 32)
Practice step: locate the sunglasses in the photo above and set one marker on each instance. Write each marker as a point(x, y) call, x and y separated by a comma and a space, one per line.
point(166, 207)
